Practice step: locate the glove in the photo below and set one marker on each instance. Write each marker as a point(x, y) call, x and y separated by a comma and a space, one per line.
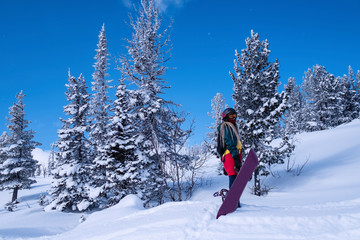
point(237, 162)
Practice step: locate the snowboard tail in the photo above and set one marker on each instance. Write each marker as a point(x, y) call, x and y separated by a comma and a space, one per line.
point(233, 196)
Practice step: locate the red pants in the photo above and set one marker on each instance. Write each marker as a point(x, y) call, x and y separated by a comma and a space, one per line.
point(229, 164)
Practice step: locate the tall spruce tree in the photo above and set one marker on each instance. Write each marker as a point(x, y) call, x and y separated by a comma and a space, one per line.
point(18, 165)
point(334, 103)
point(259, 105)
point(122, 177)
point(351, 96)
point(70, 188)
point(99, 114)
point(294, 116)
point(148, 51)
point(310, 86)
point(324, 95)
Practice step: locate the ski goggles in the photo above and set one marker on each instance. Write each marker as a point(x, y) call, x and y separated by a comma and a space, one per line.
point(231, 116)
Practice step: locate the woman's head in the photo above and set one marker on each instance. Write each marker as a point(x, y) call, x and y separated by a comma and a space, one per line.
point(229, 115)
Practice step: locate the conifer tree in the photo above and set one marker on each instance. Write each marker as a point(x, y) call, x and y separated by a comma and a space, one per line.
point(294, 116)
point(100, 103)
point(70, 189)
point(217, 107)
point(148, 51)
point(259, 105)
point(334, 103)
point(310, 87)
point(324, 95)
point(351, 97)
point(122, 177)
point(18, 166)
point(99, 113)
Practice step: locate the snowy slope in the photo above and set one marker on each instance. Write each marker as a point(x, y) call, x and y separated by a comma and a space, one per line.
point(323, 202)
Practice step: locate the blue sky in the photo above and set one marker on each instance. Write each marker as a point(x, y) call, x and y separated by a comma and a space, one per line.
point(41, 39)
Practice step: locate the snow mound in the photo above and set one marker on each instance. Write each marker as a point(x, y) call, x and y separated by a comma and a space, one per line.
point(130, 201)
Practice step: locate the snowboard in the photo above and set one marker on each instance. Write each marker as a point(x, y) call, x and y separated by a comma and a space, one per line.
point(232, 198)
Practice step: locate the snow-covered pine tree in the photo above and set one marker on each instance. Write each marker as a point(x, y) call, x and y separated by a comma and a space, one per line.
point(148, 51)
point(70, 187)
point(99, 115)
point(351, 97)
point(334, 104)
point(122, 164)
point(18, 167)
point(259, 105)
point(294, 116)
point(324, 96)
point(310, 86)
point(217, 107)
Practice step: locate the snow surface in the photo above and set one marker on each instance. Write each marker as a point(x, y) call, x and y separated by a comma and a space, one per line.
point(322, 202)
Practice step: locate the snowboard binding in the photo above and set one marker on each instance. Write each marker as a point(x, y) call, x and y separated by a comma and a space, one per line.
point(223, 192)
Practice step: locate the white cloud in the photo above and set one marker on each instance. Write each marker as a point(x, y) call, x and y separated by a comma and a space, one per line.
point(162, 4)
point(127, 3)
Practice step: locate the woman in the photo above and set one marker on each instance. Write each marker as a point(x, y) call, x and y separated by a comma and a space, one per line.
point(229, 141)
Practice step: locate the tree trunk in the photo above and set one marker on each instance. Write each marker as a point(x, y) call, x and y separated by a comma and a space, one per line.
point(257, 190)
point(15, 194)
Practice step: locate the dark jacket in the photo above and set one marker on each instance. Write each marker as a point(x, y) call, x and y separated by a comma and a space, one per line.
point(230, 140)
